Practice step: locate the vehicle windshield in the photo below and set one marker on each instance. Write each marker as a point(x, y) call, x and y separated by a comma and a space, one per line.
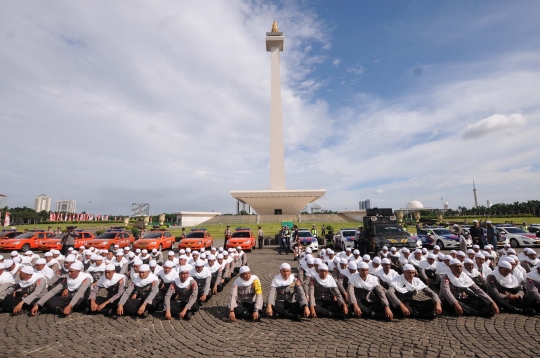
point(195, 235)
point(152, 235)
point(25, 236)
point(441, 232)
point(388, 229)
point(241, 234)
point(107, 235)
point(304, 234)
point(515, 230)
point(349, 233)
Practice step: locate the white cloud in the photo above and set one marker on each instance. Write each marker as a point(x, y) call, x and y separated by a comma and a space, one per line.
point(494, 123)
point(116, 103)
point(336, 62)
point(356, 69)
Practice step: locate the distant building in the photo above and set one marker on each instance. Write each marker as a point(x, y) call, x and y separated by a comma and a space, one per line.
point(316, 209)
point(365, 204)
point(66, 206)
point(242, 207)
point(42, 202)
point(3, 201)
point(488, 204)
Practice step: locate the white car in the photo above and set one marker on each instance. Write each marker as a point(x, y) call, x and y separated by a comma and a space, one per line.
point(444, 238)
point(306, 240)
point(344, 238)
point(518, 237)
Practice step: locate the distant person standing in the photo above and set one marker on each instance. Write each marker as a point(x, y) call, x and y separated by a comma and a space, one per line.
point(314, 231)
point(227, 233)
point(58, 231)
point(477, 234)
point(323, 234)
point(68, 240)
point(461, 234)
point(296, 239)
point(492, 234)
point(260, 237)
point(283, 240)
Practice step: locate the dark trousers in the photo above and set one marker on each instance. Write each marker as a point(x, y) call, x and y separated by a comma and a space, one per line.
point(283, 245)
point(362, 247)
point(58, 302)
point(418, 309)
point(131, 307)
point(515, 306)
point(327, 308)
point(471, 306)
point(65, 249)
point(9, 303)
point(244, 309)
point(208, 296)
point(373, 309)
point(178, 306)
point(261, 242)
point(287, 309)
point(109, 308)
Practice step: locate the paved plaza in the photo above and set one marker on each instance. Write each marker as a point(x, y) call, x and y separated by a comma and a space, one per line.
point(209, 333)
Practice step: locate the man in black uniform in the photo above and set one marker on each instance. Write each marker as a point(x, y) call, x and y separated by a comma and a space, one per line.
point(477, 234)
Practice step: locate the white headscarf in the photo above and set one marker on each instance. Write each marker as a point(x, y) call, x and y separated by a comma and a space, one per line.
point(474, 273)
point(403, 286)
point(139, 282)
point(75, 283)
point(387, 278)
point(168, 277)
point(533, 274)
point(200, 275)
point(47, 272)
point(463, 281)
point(94, 268)
point(424, 264)
point(241, 283)
point(328, 282)
point(509, 281)
point(35, 276)
point(6, 277)
point(214, 268)
point(369, 284)
point(52, 262)
point(178, 282)
point(279, 281)
point(441, 268)
point(103, 282)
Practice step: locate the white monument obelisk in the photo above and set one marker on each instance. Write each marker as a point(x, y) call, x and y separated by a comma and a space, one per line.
point(274, 44)
point(277, 200)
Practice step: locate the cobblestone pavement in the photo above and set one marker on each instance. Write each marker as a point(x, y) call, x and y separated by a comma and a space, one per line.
point(209, 333)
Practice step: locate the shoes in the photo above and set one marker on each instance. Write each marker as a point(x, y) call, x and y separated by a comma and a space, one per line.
point(188, 316)
point(297, 317)
point(145, 314)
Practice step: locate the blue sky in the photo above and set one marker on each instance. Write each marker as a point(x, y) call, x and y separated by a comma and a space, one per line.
point(168, 102)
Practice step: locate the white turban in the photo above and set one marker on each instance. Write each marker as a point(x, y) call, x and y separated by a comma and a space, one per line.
point(244, 269)
point(285, 266)
point(408, 267)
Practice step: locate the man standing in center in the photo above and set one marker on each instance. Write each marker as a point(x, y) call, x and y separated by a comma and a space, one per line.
point(227, 234)
point(260, 237)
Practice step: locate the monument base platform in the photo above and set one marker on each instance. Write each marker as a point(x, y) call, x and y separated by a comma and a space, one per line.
point(278, 202)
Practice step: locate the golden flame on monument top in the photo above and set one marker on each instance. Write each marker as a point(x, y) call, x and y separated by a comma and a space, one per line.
point(274, 27)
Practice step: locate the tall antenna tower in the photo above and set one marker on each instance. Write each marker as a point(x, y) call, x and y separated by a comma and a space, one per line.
point(475, 198)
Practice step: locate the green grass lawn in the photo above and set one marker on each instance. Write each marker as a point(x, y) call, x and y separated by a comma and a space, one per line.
point(269, 229)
